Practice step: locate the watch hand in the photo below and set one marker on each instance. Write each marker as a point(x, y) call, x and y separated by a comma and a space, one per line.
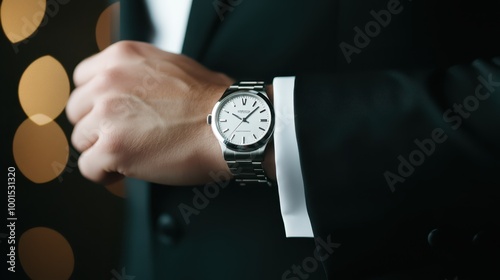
point(237, 116)
point(245, 118)
point(242, 120)
point(236, 127)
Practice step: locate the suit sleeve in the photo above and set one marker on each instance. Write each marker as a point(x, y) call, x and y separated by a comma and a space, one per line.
point(392, 152)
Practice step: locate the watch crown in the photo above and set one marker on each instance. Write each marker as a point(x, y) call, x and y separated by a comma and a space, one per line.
point(209, 119)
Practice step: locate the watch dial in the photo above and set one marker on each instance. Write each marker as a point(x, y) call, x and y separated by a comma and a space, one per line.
point(243, 119)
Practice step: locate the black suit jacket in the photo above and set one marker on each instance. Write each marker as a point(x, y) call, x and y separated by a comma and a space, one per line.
point(396, 111)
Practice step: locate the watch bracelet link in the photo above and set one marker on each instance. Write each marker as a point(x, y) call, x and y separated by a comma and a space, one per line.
point(247, 167)
point(259, 86)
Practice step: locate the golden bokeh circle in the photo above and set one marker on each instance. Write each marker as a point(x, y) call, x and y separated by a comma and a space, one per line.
point(107, 26)
point(40, 152)
point(44, 89)
point(21, 18)
point(45, 254)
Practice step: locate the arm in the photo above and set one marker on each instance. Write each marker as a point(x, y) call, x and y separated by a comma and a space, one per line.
point(141, 112)
point(391, 113)
point(389, 159)
point(133, 93)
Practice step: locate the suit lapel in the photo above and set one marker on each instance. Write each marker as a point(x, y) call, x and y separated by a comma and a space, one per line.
point(203, 22)
point(134, 21)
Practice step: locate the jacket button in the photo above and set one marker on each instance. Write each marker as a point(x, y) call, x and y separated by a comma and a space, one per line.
point(451, 241)
point(434, 238)
point(487, 241)
point(168, 229)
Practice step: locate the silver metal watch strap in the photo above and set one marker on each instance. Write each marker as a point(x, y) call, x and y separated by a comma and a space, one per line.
point(260, 86)
point(246, 167)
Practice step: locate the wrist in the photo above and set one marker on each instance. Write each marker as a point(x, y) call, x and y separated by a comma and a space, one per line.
point(214, 159)
point(269, 164)
point(270, 93)
point(244, 173)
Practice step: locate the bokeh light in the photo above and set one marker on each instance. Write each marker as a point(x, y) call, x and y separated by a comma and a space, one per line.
point(45, 254)
point(44, 90)
point(40, 152)
point(40, 148)
point(21, 18)
point(106, 27)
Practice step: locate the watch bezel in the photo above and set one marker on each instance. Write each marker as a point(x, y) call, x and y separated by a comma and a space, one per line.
point(235, 147)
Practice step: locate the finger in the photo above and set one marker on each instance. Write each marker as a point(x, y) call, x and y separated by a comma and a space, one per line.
point(107, 83)
point(80, 103)
point(87, 69)
point(86, 132)
point(102, 120)
point(97, 166)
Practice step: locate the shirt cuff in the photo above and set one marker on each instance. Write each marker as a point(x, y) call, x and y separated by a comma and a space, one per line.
point(288, 172)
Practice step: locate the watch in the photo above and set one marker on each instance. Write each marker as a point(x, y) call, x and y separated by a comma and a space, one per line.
point(243, 122)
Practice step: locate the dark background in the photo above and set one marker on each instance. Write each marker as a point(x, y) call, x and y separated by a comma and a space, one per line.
point(87, 215)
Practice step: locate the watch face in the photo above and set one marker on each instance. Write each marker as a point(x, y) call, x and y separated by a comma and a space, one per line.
point(244, 119)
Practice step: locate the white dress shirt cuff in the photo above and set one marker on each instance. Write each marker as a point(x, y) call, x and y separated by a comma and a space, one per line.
point(288, 171)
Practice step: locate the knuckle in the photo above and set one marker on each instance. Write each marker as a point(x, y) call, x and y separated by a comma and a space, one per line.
point(108, 79)
point(71, 110)
point(80, 141)
point(106, 126)
point(112, 142)
point(111, 130)
point(78, 74)
point(125, 48)
point(81, 135)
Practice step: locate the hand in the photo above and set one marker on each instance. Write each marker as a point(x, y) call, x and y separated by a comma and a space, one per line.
point(238, 117)
point(141, 112)
point(245, 118)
